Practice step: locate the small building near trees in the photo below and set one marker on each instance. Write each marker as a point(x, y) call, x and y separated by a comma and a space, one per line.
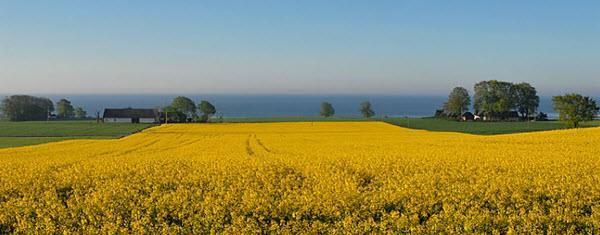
point(130, 115)
point(512, 116)
point(467, 116)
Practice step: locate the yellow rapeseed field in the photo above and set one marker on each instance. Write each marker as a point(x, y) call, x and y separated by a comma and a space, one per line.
point(305, 178)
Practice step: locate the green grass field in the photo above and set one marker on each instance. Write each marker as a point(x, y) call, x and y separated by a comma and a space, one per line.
point(481, 128)
point(6, 142)
point(294, 119)
point(432, 124)
point(67, 128)
point(14, 134)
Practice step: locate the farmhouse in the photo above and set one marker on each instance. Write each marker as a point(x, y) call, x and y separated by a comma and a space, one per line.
point(467, 116)
point(130, 115)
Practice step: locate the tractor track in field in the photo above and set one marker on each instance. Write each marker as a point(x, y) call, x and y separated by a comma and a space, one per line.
point(261, 144)
point(248, 147)
point(252, 151)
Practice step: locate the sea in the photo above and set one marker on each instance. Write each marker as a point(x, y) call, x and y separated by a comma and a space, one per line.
point(278, 105)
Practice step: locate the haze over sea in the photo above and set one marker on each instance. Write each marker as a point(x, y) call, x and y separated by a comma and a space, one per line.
point(278, 105)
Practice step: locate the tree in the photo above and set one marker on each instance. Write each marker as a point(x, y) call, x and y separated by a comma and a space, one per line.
point(575, 108)
point(207, 110)
point(366, 110)
point(440, 113)
point(458, 102)
point(45, 104)
point(26, 108)
point(64, 109)
point(327, 109)
point(541, 116)
point(80, 113)
point(184, 105)
point(527, 100)
point(492, 97)
point(169, 114)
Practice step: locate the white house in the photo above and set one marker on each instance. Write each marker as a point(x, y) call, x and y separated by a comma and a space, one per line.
point(130, 115)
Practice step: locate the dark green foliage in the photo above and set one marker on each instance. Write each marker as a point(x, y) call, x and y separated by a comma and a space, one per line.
point(170, 114)
point(327, 109)
point(207, 110)
point(527, 99)
point(26, 108)
point(64, 109)
point(458, 102)
point(184, 105)
point(575, 108)
point(366, 110)
point(494, 97)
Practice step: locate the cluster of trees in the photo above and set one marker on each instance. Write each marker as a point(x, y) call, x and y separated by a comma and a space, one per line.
point(575, 108)
point(31, 108)
point(494, 100)
point(497, 100)
point(458, 102)
point(65, 110)
point(183, 109)
point(365, 109)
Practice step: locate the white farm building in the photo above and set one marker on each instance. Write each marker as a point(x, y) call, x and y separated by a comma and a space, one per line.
point(130, 115)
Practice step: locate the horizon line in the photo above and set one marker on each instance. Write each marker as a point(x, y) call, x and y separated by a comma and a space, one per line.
point(253, 94)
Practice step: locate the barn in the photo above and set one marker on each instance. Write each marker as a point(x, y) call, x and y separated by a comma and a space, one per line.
point(130, 115)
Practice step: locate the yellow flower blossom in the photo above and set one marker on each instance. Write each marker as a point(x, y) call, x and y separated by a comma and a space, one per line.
point(304, 178)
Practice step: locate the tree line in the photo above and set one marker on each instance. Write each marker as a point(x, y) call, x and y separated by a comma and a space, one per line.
point(184, 109)
point(493, 100)
point(500, 100)
point(32, 108)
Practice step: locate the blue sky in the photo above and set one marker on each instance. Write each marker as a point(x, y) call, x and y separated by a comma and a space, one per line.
point(296, 47)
